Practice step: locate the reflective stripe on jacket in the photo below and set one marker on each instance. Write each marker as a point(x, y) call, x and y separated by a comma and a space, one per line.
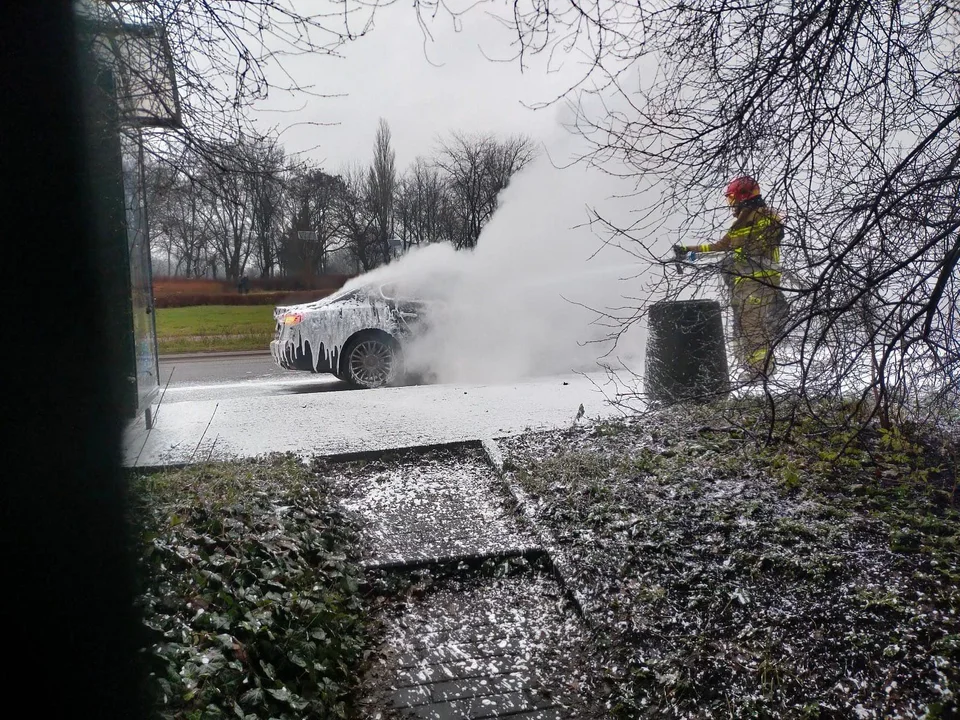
point(754, 238)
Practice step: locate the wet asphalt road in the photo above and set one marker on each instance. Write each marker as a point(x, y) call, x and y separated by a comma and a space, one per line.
point(219, 368)
point(216, 377)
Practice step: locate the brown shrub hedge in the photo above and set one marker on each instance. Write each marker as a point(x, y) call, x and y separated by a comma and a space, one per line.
point(168, 286)
point(253, 298)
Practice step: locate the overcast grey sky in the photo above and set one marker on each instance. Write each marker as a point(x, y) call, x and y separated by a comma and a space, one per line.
point(423, 89)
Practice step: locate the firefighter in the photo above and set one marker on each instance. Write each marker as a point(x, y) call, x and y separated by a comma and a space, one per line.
point(753, 276)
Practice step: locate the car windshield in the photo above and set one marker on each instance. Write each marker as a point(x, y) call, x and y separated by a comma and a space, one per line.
point(347, 294)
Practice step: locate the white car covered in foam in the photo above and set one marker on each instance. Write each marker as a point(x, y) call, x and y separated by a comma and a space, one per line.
point(356, 334)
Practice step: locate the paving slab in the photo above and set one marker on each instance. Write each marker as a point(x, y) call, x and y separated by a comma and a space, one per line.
point(496, 705)
point(536, 673)
point(417, 674)
point(421, 508)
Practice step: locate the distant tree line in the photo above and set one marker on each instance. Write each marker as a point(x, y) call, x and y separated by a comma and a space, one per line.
point(246, 206)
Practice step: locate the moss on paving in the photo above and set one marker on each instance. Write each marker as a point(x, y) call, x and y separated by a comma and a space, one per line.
point(816, 577)
point(249, 596)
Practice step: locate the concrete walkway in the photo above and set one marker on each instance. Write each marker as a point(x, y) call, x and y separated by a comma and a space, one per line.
point(480, 646)
point(354, 421)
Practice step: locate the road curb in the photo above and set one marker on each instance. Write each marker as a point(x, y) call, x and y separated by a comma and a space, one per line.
point(309, 459)
point(214, 355)
point(394, 452)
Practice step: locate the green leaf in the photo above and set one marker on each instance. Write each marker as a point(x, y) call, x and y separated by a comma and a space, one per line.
point(253, 696)
point(281, 694)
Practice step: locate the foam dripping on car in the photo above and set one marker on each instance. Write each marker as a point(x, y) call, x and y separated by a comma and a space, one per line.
point(327, 332)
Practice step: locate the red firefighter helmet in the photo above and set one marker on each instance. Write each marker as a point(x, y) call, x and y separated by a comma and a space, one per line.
point(742, 189)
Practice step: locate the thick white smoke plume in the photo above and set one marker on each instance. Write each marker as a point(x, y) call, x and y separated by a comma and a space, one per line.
point(529, 299)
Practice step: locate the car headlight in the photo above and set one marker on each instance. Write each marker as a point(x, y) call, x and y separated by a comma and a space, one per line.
point(292, 319)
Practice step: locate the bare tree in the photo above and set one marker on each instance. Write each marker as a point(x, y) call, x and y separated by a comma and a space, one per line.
point(265, 187)
point(176, 224)
point(477, 168)
point(197, 67)
point(160, 184)
point(379, 190)
point(231, 209)
point(317, 205)
point(358, 221)
point(227, 206)
point(421, 201)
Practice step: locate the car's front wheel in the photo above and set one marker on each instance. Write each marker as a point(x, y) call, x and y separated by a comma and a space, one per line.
point(371, 360)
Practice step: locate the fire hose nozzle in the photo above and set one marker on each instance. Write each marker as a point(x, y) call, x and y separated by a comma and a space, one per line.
point(678, 255)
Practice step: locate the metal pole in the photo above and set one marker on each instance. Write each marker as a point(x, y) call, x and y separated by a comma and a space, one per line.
point(146, 237)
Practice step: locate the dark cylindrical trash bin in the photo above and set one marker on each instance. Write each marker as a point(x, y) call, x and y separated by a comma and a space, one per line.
point(686, 354)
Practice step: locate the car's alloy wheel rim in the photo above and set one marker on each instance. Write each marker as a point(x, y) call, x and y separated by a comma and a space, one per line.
point(371, 363)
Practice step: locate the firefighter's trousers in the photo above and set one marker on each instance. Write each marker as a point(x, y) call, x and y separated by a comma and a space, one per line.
point(757, 316)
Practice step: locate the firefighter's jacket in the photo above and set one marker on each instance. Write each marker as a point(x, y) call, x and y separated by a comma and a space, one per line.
point(754, 238)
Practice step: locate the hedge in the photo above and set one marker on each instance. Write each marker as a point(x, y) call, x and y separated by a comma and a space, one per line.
point(166, 286)
point(253, 298)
